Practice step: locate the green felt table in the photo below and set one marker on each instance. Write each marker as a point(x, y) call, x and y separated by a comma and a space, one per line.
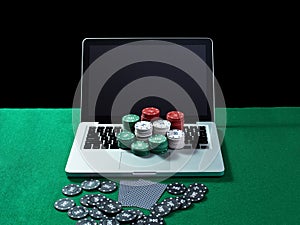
point(261, 183)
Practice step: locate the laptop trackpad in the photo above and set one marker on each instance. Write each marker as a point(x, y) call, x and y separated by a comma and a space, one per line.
point(152, 162)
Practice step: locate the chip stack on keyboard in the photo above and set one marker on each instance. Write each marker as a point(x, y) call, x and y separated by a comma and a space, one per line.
point(143, 130)
point(177, 119)
point(158, 144)
point(176, 139)
point(161, 127)
point(129, 121)
point(125, 139)
point(150, 114)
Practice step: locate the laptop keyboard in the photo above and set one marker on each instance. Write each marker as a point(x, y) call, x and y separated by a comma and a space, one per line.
point(104, 137)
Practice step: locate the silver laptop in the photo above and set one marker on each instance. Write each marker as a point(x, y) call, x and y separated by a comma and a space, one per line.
point(125, 75)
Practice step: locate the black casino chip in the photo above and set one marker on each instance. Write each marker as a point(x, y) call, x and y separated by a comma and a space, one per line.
point(107, 186)
point(154, 220)
point(86, 222)
point(184, 202)
point(139, 222)
point(194, 196)
point(160, 209)
point(96, 199)
point(78, 212)
point(89, 185)
point(176, 188)
point(95, 213)
point(126, 216)
point(173, 203)
point(198, 187)
point(64, 204)
point(110, 207)
point(71, 190)
point(109, 221)
point(84, 200)
point(139, 214)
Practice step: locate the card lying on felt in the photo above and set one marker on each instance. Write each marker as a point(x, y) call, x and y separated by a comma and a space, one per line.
point(140, 193)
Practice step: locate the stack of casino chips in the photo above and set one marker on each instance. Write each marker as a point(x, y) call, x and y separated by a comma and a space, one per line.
point(125, 139)
point(176, 139)
point(158, 144)
point(161, 127)
point(129, 121)
point(150, 113)
point(140, 148)
point(177, 119)
point(143, 130)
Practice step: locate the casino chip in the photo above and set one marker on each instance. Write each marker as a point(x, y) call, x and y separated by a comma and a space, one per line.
point(78, 212)
point(72, 190)
point(126, 216)
point(140, 148)
point(177, 119)
point(143, 130)
point(149, 114)
point(84, 200)
point(194, 196)
point(125, 139)
point(176, 139)
point(95, 213)
point(160, 209)
point(184, 202)
point(86, 222)
point(139, 214)
point(158, 144)
point(172, 202)
point(107, 186)
point(161, 127)
point(96, 199)
point(176, 188)
point(89, 185)
point(154, 220)
point(197, 186)
point(139, 222)
point(110, 207)
point(64, 204)
point(128, 122)
point(109, 221)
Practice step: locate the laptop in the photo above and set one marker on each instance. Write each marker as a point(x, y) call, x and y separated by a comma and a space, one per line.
point(125, 75)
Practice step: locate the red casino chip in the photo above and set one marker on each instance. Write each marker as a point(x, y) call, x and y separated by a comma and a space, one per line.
point(176, 118)
point(150, 113)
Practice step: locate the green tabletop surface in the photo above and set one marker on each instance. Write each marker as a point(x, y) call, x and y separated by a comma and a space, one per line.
point(261, 184)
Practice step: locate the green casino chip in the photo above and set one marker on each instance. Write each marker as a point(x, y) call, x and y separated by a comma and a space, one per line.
point(125, 139)
point(129, 121)
point(158, 144)
point(140, 148)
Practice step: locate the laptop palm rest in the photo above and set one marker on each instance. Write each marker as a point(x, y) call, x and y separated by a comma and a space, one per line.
point(152, 163)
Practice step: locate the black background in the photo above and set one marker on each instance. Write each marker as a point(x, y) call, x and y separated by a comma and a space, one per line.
point(256, 55)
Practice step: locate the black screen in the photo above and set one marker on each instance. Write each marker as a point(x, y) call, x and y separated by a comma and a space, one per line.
point(103, 112)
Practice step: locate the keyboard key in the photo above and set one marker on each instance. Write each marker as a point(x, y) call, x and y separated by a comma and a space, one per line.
point(87, 146)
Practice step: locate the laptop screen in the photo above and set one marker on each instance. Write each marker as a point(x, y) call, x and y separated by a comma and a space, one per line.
point(121, 76)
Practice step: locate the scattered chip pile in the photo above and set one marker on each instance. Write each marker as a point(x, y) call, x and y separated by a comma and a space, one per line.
point(150, 114)
point(100, 209)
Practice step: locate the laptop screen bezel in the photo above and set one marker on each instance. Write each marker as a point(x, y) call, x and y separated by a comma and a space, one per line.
point(87, 42)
